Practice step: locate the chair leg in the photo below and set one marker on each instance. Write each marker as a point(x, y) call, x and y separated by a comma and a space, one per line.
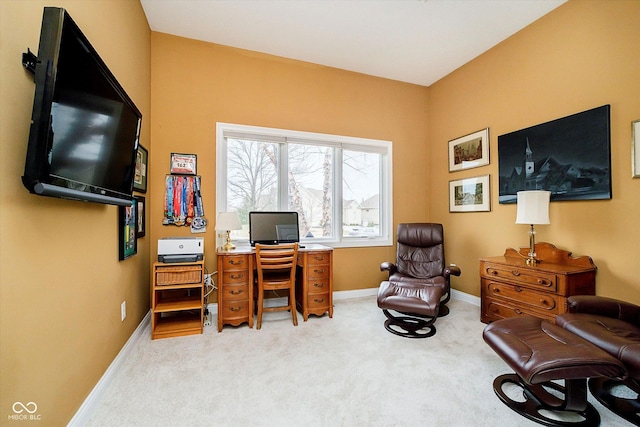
point(260, 304)
point(292, 306)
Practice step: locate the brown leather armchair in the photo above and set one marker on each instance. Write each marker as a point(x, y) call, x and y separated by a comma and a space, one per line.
point(613, 326)
point(419, 280)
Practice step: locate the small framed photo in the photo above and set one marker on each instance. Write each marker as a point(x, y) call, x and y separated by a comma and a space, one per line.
point(470, 151)
point(140, 177)
point(141, 221)
point(127, 230)
point(635, 148)
point(470, 195)
point(183, 164)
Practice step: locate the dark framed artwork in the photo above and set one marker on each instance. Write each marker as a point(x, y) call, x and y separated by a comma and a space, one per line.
point(183, 164)
point(470, 194)
point(141, 220)
point(127, 230)
point(142, 165)
point(470, 151)
point(570, 157)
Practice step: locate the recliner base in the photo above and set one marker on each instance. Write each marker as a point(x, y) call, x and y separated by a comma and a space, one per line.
point(602, 390)
point(410, 325)
point(538, 400)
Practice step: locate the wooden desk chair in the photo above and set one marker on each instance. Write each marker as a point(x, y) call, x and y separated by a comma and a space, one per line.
point(276, 265)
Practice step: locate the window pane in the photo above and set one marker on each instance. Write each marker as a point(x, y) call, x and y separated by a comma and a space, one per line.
point(361, 194)
point(310, 183)
point(252, 179)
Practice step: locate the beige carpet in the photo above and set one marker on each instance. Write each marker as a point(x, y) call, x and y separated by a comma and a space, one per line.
point(344, 371)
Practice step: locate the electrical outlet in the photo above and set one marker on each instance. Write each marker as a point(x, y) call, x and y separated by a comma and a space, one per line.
point(207, 320)
point(123, 310)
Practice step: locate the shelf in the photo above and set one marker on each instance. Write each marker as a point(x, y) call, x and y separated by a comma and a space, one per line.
point(177, 304)
point(177, 324)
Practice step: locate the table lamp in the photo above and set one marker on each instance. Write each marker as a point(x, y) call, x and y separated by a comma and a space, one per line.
point(533, 208)
point(228, 221)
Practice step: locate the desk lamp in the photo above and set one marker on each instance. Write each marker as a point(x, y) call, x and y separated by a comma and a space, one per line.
point(533, 208)
point(228, 221)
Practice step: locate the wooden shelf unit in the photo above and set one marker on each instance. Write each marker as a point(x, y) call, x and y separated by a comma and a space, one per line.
point(177, 299)
point(510, 287)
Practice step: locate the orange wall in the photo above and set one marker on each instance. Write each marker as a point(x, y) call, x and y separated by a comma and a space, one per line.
point(61, 284)
point(582, 55)
point(196, 84)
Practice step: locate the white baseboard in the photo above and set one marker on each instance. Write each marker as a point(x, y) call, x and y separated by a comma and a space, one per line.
point(83, 415)
point(81, 418)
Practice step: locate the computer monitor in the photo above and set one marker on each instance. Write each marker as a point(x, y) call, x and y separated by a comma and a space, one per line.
point(272, 228)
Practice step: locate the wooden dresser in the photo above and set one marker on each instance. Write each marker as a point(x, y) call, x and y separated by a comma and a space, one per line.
point(510, 287)
point(314, 284)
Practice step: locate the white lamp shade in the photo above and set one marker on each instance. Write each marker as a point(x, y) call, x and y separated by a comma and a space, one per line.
point(228, 221)
point(533, 207)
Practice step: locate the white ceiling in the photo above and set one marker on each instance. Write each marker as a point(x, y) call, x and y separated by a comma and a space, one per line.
point(415, 41)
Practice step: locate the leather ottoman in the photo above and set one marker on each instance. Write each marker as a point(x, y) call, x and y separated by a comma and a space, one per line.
point(540, 352)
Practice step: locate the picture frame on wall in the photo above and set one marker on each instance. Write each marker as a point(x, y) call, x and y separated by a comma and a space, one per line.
point(470, 194)
point(469, 151)
point(635, 149)
point(127, 230)
point(183, 164)
point(142, 164)
point(141, 220)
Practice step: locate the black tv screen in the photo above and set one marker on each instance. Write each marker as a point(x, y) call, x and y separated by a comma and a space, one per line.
point(85, 129)
point(270, 228)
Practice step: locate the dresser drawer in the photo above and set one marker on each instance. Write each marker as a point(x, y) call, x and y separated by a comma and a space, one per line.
point(235, 292)
point(494, 309)
point(522, 296)
point(529, 277)
point(235, 262)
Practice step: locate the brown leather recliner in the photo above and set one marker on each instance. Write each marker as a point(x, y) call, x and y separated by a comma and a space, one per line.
point(419, 280)
point(613, 326)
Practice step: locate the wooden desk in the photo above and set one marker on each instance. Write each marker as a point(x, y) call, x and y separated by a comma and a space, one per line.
point(314, 283)
point(510, 287)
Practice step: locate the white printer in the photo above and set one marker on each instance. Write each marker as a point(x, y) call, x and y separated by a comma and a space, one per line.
point(180, 249)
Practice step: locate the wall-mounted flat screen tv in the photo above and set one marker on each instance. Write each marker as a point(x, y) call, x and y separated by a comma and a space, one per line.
point(85, 129)
point(569, 156)
point(270, 228)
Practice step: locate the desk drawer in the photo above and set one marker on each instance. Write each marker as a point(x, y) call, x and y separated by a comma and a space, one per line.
point(318, 285)
point(234, 310)
point(235, 262)
point(316, 272)
point(235, 292)
point(318, 258)
point(235, 277)
point(522, 296)
point(318, 301)
point(538, 279)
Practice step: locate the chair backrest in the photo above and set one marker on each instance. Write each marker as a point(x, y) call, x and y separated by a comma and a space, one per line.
point(277, 260)
point(420, 251)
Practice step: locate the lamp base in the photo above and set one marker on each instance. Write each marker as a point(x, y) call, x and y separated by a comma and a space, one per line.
point(227, 247)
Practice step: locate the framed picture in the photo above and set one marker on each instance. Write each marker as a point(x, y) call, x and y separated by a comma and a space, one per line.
point(635, 148)
point(470, 195)
point(140, 177)
point(470, 151)
point(141, 220)
point(183, 164)
point(569, 156)
point(127, 230)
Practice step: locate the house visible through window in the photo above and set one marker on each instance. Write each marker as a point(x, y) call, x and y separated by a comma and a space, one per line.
point(340, 186)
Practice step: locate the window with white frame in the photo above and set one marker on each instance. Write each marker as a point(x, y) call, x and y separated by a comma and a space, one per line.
point(340, 186)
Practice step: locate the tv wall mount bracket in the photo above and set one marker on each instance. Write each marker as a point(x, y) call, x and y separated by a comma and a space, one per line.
point(29, 61)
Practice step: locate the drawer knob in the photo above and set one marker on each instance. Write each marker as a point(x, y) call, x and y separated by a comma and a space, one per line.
point(234, 309)
point(319, 271)
point(239, 276)
point(319, 257)
point(236, 262)
point(318, 285)
point(515, 273)
point(318, 300)
point(518, 289)
point(517, 310)
point(232, 292)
